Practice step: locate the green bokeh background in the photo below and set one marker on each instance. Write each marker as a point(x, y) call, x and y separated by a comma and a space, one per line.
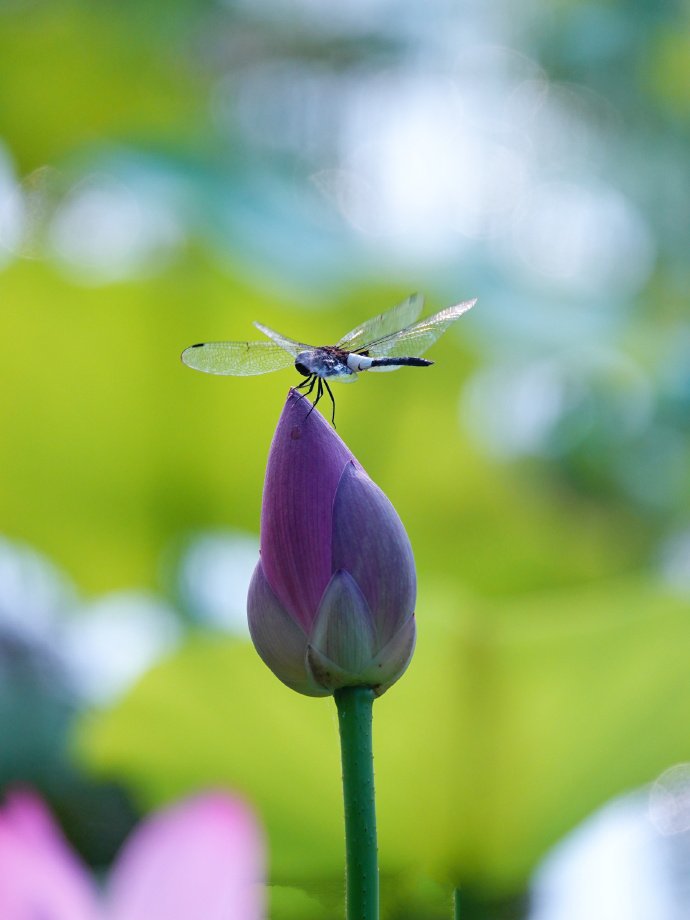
point(551, 672)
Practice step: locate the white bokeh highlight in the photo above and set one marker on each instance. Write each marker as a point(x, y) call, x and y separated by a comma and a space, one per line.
point(115, 640)
point(214, 577)
point(106, 229)
point(611, 867)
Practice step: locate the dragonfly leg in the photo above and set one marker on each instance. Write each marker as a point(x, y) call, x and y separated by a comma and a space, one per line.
point(309, 382)
point(319, 394)
point(325, 383)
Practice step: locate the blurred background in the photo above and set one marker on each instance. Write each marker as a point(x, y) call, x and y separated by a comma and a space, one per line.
point(167, 176)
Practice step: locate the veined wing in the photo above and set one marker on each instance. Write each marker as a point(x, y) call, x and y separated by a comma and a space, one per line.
point(379, 327)
point(414, 340)
point(290, 345)
point(239, 359)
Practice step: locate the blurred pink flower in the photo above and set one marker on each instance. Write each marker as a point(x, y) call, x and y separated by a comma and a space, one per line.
point(200, 858)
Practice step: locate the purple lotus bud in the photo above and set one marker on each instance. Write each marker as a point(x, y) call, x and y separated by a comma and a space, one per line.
point(331, 602)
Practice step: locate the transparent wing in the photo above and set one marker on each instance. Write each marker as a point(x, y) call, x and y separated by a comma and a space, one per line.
point(290, 345)
point(414, 340)
point(239, 359)
point(383, 325)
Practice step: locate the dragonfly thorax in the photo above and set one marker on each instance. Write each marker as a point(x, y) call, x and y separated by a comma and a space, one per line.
point(323, 362)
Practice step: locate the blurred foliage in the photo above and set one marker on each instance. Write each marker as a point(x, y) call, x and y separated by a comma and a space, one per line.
point(537, 719)
point(169, 177)
point(141, 449)
point(90, 75)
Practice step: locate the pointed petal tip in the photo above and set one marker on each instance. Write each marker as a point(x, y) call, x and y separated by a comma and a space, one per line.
point(305, 463)
point(344, 630)
point(41, 875)
point(297, 402)
point(218, 805)
point(199, 857)
point(23, 806)
point(379, 673)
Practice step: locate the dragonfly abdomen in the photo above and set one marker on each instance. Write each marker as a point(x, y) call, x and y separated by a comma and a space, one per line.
point(357, 362)
point(399, 362)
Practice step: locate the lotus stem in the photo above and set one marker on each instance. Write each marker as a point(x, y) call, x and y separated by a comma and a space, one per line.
point(355, 706)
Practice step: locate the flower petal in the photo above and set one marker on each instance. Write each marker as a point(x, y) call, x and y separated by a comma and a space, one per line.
point(344, 631)
point(40, 876)
point(201, 858)
point(392, 661)
point(305, 463)
point(369, 542)
point(379, 673)
point(279, 640)
point(328, 674)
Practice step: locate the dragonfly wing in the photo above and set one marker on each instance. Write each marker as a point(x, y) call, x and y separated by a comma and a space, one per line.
point(383, 325)
point(239, 359)
point(415, 339)
point(290, 345)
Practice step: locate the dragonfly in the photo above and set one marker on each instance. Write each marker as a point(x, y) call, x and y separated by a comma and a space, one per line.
point(394, 339)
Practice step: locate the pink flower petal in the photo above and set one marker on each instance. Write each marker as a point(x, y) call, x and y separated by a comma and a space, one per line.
point(39, 874)
point(199, 860)
point(305, 464)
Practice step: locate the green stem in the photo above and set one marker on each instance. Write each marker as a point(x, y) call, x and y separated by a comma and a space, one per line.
point(362, 874)
point(456, 904)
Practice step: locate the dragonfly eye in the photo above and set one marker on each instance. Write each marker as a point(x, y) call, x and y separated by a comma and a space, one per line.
point(302, 369)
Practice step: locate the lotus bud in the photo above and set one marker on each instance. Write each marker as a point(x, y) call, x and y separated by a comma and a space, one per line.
point(331, 601)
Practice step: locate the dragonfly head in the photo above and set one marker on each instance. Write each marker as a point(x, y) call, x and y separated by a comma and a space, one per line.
point(300, 365)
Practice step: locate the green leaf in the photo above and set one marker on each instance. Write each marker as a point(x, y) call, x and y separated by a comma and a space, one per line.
point(511, 725)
